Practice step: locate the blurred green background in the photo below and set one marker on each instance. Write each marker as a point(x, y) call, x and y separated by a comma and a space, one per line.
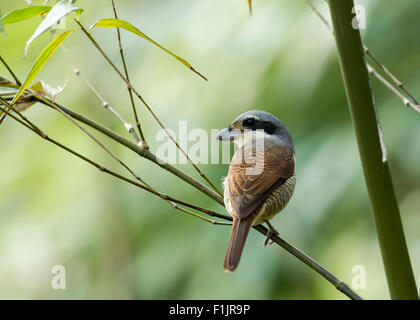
point(119, 242)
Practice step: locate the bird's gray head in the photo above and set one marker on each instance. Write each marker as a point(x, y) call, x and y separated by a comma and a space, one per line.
point(252, 124)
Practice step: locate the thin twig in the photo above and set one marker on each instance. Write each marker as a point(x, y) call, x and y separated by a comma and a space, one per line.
point(104, 103)
point(130, 93)
point(406, 102)
point(200, 216)
point(397, 82)
point(320, 16)
point(128, 126)
point(98, 47)
point(10, 71)
point(98, 142)
point(10, 107)
point(3, 116)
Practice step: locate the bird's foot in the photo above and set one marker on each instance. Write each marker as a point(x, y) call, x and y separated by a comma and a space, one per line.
point(271, 231)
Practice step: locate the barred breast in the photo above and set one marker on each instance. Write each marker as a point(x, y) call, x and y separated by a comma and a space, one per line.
point(273, 204)
point(276, 201)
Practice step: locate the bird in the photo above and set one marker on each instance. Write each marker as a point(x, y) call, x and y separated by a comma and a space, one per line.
point(261, 177)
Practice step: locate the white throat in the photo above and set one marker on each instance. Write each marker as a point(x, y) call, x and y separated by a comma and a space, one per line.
point(250, 135)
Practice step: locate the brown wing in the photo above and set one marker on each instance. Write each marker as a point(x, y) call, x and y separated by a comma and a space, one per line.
point(251, 182)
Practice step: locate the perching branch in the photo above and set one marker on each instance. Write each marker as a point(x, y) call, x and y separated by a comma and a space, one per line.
point(297, 253)
point(341, 286)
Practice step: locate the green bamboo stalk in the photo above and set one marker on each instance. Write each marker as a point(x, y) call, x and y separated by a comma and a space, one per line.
point(373, 156)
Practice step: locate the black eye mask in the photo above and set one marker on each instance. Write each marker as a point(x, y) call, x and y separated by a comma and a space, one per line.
point(249, 123)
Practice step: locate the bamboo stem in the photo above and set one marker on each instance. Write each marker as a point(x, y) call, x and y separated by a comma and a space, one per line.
point(375, 167)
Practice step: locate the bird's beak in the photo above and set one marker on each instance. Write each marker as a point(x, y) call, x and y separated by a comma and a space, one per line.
point(228, 134)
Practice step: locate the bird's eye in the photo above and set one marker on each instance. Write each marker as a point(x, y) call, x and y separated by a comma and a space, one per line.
point(250, 122)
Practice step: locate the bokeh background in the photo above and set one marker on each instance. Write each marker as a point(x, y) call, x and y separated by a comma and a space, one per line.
point(118, 242)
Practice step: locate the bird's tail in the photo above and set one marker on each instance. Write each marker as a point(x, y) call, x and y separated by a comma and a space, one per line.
point(240, 230)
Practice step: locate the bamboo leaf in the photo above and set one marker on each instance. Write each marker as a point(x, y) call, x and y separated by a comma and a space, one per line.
point(24, 102)
point(37, 88)
point(24, 14)
point(41, 61)
point(118, 23)
point(250, 7)
point(58, 12)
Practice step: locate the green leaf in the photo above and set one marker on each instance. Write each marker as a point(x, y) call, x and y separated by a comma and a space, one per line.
point(23, 14)
point(37, 87)
point(118, 23)
point(58, 12)
point(41, 61)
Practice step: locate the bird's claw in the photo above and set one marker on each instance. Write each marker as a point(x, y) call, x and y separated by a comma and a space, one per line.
point(268, 240)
